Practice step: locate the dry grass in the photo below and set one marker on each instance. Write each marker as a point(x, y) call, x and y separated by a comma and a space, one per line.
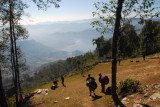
point(144, 71)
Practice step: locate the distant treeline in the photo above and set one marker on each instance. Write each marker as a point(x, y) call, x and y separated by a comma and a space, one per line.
point(130, 45)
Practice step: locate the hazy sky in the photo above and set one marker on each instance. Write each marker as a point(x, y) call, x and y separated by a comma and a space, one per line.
point(46, 25)
point(69, 10)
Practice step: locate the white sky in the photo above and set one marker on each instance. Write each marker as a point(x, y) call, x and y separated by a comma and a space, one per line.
point(69, 10)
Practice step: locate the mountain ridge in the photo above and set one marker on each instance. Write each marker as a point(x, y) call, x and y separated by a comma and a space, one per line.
point(38, 54)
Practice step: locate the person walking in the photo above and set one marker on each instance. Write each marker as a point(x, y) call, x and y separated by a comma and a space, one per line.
point(62, 78)
point(104, 80)
point(90, 82)
point(102, 83)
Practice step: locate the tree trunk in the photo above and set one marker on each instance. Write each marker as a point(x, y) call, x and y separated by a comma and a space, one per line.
point(17, 66)
point(114, 53)
point(13, 54)
point(3, 102)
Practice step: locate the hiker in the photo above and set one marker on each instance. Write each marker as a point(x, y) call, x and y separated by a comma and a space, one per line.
point(90, 82)
point(62, 78)
point(102, 83)
point(103, 80)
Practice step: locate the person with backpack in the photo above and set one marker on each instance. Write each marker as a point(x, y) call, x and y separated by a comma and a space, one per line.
point(103, 80)
point(90, 82)
point(62, 78)
point(55, 82)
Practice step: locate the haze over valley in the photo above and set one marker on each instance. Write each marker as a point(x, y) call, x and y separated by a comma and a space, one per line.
point(51, 41)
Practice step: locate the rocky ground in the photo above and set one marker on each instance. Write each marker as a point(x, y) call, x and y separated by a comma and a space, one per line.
point(149, 97)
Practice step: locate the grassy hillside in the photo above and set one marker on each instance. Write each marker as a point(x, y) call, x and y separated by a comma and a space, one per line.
point(146, 72)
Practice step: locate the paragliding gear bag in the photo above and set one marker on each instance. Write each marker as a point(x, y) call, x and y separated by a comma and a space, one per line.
point(91, 84)
point(105, 79)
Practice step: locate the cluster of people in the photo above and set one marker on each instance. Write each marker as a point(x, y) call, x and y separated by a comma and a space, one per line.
point(55, 82)
point(90, 82)
point(92, 85)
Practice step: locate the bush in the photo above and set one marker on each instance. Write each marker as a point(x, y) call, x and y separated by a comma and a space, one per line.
point(128, 86)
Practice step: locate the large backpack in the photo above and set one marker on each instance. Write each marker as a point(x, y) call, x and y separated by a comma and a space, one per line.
point(108, 91)
point(91, 83)
point(105, 79)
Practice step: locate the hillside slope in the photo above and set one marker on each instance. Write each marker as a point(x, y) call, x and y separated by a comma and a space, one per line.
point(146, 72)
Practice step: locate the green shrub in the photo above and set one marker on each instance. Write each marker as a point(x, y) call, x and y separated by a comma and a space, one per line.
point(128, 86)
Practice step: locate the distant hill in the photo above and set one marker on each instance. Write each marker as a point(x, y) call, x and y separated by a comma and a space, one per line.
point(38, 54)
point(71, 41)
point(66, 36)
